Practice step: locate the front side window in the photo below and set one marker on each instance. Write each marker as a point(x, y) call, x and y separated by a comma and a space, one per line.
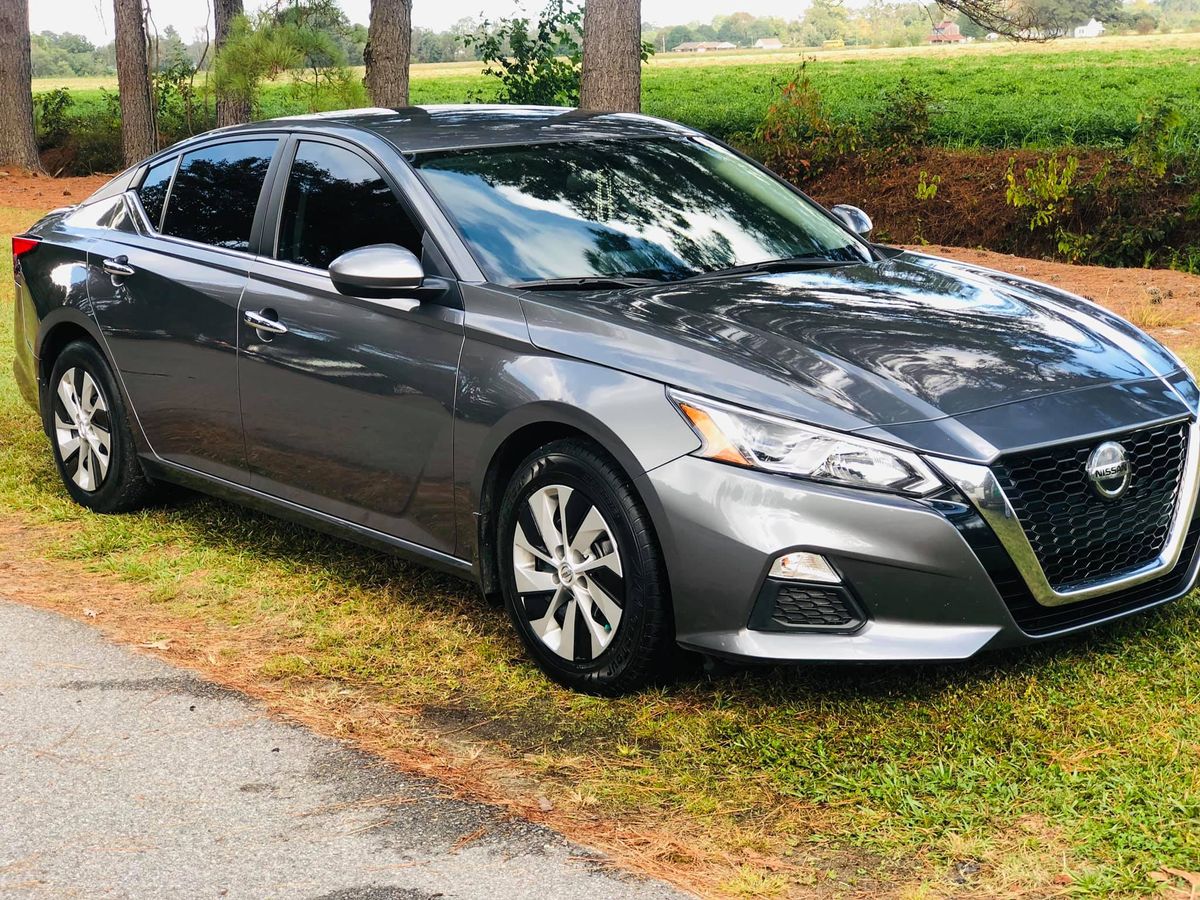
point(153, 192)
point(660, 208)
point(336, 201)
point(216, 193)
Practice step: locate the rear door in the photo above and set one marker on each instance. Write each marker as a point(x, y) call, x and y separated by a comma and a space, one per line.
point(350, 410)
point(167, 299)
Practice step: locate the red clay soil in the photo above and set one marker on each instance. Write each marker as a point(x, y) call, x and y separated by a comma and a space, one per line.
point(969, 209)
point(41, 192)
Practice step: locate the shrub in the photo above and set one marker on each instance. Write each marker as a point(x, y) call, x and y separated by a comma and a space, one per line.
point(52, 116)
point(797, 138)
point(535, 62)
point(1047, 190)
point(902, 122)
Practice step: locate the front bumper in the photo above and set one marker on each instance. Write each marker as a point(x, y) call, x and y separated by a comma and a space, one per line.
point(924, 588)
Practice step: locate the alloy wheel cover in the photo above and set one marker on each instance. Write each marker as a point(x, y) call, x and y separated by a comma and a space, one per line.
point(568, 573)
point(82, 429)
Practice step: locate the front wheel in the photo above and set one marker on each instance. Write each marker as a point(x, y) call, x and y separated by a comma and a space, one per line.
point(582, 572)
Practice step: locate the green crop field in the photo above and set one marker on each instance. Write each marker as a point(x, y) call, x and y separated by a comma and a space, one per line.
point(1069, 93)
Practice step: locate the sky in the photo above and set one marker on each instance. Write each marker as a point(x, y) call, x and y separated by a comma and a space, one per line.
point(93, 18)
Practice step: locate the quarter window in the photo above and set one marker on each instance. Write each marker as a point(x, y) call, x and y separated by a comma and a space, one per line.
point(336, 201)
point(153, 192)
point(216, 193)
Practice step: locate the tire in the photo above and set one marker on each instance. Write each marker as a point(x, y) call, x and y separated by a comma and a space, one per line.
point(593, 609)
point(100, 470)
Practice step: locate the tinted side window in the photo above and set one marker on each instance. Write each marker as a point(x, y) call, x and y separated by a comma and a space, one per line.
point(216, 193)
point(153, 192)
point(336, 201)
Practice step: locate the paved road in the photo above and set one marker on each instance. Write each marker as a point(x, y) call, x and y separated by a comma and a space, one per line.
point(121, 776)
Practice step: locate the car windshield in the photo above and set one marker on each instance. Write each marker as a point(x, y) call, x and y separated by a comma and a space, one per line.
point(661, 209)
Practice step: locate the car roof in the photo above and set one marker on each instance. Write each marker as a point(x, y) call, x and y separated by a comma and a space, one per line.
point(418, 129)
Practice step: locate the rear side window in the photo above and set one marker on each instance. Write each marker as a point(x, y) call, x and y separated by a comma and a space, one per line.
point(216, 193)
point(106, 213)
point(336, 201)
point(153, 192)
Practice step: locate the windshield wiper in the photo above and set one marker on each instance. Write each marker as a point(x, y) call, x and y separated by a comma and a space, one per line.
point(584, 283)
point(787, 264)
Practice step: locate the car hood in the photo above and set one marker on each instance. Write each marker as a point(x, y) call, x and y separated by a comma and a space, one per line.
point(909, 339)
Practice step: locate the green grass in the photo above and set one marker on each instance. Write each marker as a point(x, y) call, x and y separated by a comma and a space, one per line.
point(1083, 754)
point(1002, 97)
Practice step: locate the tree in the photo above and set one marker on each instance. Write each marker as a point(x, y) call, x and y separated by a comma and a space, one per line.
point(233, 108)
point(18, 145)
point(389, 45)
point(612, 56)
point(139, 138)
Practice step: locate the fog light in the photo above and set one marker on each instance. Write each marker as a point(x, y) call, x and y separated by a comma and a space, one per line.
point(804, 567)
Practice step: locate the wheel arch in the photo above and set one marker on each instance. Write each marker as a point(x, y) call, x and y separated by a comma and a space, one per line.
point(528, 429)
point(60, 328)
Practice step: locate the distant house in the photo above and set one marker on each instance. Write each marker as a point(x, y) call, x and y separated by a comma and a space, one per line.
point(768, 44)
point(702, 46)
point(1092, 29)
point(946, 32)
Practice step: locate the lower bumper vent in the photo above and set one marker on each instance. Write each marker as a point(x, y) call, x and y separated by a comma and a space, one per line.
point(789, 606)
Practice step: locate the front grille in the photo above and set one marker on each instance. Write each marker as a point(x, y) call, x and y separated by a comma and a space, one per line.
point(786, 606)
point(1037, 620)
point(1078, 536)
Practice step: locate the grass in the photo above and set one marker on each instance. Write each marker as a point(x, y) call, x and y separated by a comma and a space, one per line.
point(1075, 762)
point(1063, 93)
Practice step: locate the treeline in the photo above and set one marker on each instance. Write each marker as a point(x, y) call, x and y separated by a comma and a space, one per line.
point(70, 55)
point(904, 24)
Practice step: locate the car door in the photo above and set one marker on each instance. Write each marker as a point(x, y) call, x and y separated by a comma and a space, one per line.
point(166, 299)
point(347, 402)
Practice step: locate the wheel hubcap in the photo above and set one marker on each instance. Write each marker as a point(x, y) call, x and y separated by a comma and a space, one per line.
point(82, 429)
point(568, 573)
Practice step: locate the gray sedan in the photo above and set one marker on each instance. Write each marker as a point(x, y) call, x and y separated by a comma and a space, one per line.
point(621, 377)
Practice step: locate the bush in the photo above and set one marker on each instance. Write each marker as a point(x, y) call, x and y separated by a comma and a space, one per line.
point(902, 123)
point(535, 63)
point(797, 138)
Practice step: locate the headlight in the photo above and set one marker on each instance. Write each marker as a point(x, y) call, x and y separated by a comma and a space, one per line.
point(757, 441)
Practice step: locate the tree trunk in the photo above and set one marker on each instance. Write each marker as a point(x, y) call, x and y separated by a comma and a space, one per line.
point(231, 109)
point(612, 56)
point(18, 145)
point(389, 44)
point(139, 138)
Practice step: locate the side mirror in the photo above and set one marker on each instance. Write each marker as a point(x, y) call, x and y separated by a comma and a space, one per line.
point(854, 219)
point(380, 270)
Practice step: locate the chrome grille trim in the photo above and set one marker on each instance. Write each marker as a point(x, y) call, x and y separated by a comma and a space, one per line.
point(980, 486)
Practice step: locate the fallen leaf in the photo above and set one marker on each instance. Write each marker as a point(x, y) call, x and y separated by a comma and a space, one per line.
point(544, 804)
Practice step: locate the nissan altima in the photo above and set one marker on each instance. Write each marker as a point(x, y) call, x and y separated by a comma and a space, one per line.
point(622, 378)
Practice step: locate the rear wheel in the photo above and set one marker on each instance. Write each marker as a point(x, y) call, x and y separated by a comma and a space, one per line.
point(90, 435)
point(582, 571)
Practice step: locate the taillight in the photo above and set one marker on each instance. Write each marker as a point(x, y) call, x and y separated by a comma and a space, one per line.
point(23, 245)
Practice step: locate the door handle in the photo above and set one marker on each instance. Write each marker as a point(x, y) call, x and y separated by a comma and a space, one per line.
point(260, 322)
point(118, 265)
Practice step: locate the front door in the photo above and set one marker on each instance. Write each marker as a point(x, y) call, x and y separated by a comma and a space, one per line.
point(347, 403)
point(166, 301)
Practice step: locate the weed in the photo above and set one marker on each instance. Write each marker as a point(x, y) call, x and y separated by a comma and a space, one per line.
point(927, 186)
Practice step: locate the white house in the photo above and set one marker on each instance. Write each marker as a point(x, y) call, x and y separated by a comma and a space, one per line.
point(768, 44)
point(1092, 29)
point(702, 46)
